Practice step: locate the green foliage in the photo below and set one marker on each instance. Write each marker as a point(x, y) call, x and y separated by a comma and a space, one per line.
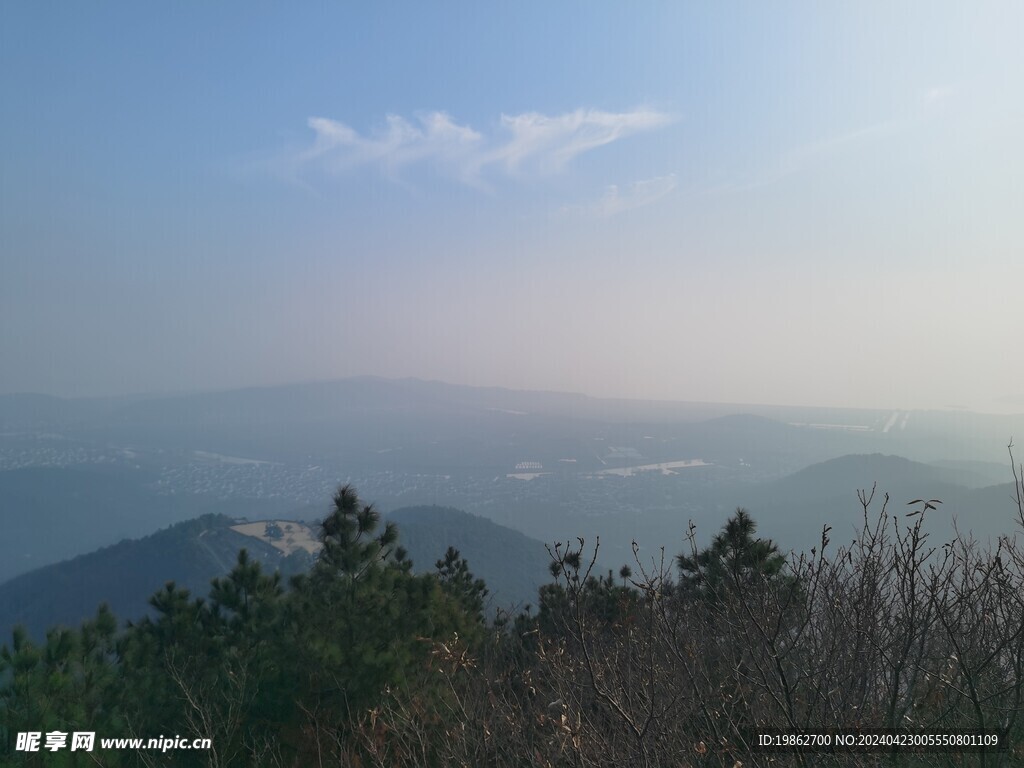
point(192, 553)
point(735, 561)
point(271, 675)
point(361, 624)
point(576, 593)
point(69, 683)
point(459, 583)
point(513, 565)
point(362, 661)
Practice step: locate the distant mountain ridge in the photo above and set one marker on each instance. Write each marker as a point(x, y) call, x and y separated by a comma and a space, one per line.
point(346, 398)
point(323, 399)
point(887, 471)
point(794, 509)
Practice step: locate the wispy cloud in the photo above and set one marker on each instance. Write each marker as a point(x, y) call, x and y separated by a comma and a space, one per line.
point(436, 137)
point(550, 143)
point(922, 108)
point(636, 195)
point(529, 143)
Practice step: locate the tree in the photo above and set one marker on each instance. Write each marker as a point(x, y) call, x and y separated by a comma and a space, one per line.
point(361, 626)
point(210, 668)
point(63, 685)
point(735, 560)
point(458, 582)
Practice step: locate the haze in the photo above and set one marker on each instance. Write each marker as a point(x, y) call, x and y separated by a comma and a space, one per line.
point(794, 203)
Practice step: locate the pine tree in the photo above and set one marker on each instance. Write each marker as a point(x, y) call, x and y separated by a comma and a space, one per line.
point(736, 560)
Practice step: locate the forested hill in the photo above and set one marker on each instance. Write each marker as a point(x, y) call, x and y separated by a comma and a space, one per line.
point(192, 553)
point(127, 574)
point(513, 564)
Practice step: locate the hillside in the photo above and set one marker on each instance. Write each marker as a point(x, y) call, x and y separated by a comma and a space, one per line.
point(126, 575)
point(194, 552)
point(513, 564)
point(794, 509)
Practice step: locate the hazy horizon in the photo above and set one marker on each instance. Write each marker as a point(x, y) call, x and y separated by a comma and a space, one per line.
point(524, 390)
point(792, 204)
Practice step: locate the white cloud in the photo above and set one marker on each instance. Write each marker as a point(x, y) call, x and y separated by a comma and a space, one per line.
point(338, 147)
point(526, 143)
point(636, 195)
point(552, 142)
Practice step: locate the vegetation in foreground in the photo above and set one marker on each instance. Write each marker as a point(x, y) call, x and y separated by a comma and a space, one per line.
point(361, 662)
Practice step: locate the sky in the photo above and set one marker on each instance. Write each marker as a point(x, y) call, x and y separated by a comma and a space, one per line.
point(784, 203)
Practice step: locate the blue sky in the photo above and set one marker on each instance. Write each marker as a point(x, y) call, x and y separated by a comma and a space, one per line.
point(797, 203)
